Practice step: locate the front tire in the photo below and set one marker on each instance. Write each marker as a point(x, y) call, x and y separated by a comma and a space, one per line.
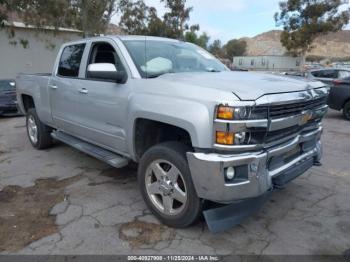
point(39, 134)
point(166, 185)
point(346, 110)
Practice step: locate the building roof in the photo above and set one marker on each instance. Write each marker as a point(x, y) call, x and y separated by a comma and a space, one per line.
point(14, 20)
point(23, 25)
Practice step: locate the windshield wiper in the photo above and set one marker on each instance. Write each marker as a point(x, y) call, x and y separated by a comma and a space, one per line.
point(155, 75)
point(212, 70)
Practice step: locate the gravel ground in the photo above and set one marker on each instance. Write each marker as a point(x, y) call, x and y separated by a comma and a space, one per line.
point(60, 201)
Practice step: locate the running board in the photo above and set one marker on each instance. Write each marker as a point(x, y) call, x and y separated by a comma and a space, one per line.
point(102, 154)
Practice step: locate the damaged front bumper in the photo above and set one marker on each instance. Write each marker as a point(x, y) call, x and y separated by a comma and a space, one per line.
point(256, 174)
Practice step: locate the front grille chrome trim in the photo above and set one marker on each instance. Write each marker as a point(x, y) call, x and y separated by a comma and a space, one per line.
point(297, 120)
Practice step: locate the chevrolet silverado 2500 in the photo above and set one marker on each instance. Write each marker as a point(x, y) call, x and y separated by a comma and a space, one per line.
point(200, 133)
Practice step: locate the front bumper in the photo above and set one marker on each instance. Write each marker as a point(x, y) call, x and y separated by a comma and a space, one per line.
point(264, 169)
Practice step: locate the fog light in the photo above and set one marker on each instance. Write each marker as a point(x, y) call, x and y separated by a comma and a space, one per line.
point(230, 173)
point(225, 138)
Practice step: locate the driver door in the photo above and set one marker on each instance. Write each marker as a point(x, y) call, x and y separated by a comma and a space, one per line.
point(103, 102)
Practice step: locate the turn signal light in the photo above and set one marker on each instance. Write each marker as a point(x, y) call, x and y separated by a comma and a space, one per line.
point(225, 112)
point(337, 82)
point(225, 138)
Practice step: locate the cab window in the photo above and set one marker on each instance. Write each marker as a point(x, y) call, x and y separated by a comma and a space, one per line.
point(105, 53)
point(70, 60)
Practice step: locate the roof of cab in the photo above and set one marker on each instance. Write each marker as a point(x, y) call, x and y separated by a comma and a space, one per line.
point(122, 38)
point(141, 37)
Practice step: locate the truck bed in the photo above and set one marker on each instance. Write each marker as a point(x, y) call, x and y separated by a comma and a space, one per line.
point(35, 86)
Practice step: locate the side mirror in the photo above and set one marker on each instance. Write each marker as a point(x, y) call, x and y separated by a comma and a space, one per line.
point(106, 71)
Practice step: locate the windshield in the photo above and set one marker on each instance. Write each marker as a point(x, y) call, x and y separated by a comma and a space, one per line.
point(154, 58)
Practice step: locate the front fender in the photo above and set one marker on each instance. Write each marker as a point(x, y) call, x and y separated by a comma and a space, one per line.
point(193, 116)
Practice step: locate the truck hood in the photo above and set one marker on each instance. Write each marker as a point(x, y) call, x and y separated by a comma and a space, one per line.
point(245, 85)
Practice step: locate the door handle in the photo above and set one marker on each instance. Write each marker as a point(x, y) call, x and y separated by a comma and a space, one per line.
point(53, 86)
point(83, 91)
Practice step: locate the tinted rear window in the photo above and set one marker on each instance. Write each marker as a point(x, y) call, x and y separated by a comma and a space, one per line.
point(7, 85)
point(325, 74)
point(70, 60)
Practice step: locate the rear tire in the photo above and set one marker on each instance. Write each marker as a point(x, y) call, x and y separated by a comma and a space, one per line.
point(166, 185)
point(38, 133)
point(346, 110)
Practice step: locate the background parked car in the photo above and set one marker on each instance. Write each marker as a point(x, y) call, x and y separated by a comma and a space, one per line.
point(312, 66)
point(8, 100)
point(328, 75)
point(294, 73)
point(339, 97)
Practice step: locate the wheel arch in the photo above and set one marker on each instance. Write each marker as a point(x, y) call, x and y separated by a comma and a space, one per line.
point(149, 132)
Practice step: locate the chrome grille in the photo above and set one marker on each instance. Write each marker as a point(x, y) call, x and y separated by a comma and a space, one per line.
point(280, 134)
point(279, 111)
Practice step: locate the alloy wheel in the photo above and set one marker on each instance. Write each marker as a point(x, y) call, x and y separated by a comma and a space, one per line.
point(166, 187)
point(32, 129)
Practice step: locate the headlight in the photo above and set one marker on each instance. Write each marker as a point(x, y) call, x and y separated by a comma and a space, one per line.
point(241, 113)
point(225, 112)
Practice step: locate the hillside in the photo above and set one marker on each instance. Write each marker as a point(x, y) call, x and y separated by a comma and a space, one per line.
point(332, 45)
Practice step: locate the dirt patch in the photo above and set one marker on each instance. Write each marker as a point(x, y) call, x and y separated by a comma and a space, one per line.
point(141, 234)
point(126, 173)
point(344, 226)
point(4, 151)
point(24, 216)
point(119, 174)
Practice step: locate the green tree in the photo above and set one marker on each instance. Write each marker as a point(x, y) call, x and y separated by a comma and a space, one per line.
point(203, 40)
point(3, 14)
point(135, 16)
point(90, 16)
point(216, 49)
point(156, 26)
point(305, 20)
point(93, 16)
point(175, 19)
point(192, 37)
point(235, 47)
point(140, 19)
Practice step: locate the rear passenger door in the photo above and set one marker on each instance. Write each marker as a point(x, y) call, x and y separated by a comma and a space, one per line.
point(64, 89)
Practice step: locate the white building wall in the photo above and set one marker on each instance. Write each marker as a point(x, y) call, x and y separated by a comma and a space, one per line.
point(267, 63)
point(38, 57)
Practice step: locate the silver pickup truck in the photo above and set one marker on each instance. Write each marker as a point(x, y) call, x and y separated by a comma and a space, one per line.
point(206, 139)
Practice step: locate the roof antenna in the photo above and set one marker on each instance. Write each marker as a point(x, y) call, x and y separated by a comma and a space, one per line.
point(146, 57)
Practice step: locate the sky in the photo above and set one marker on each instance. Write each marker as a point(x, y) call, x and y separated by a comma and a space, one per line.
point(228, 19)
